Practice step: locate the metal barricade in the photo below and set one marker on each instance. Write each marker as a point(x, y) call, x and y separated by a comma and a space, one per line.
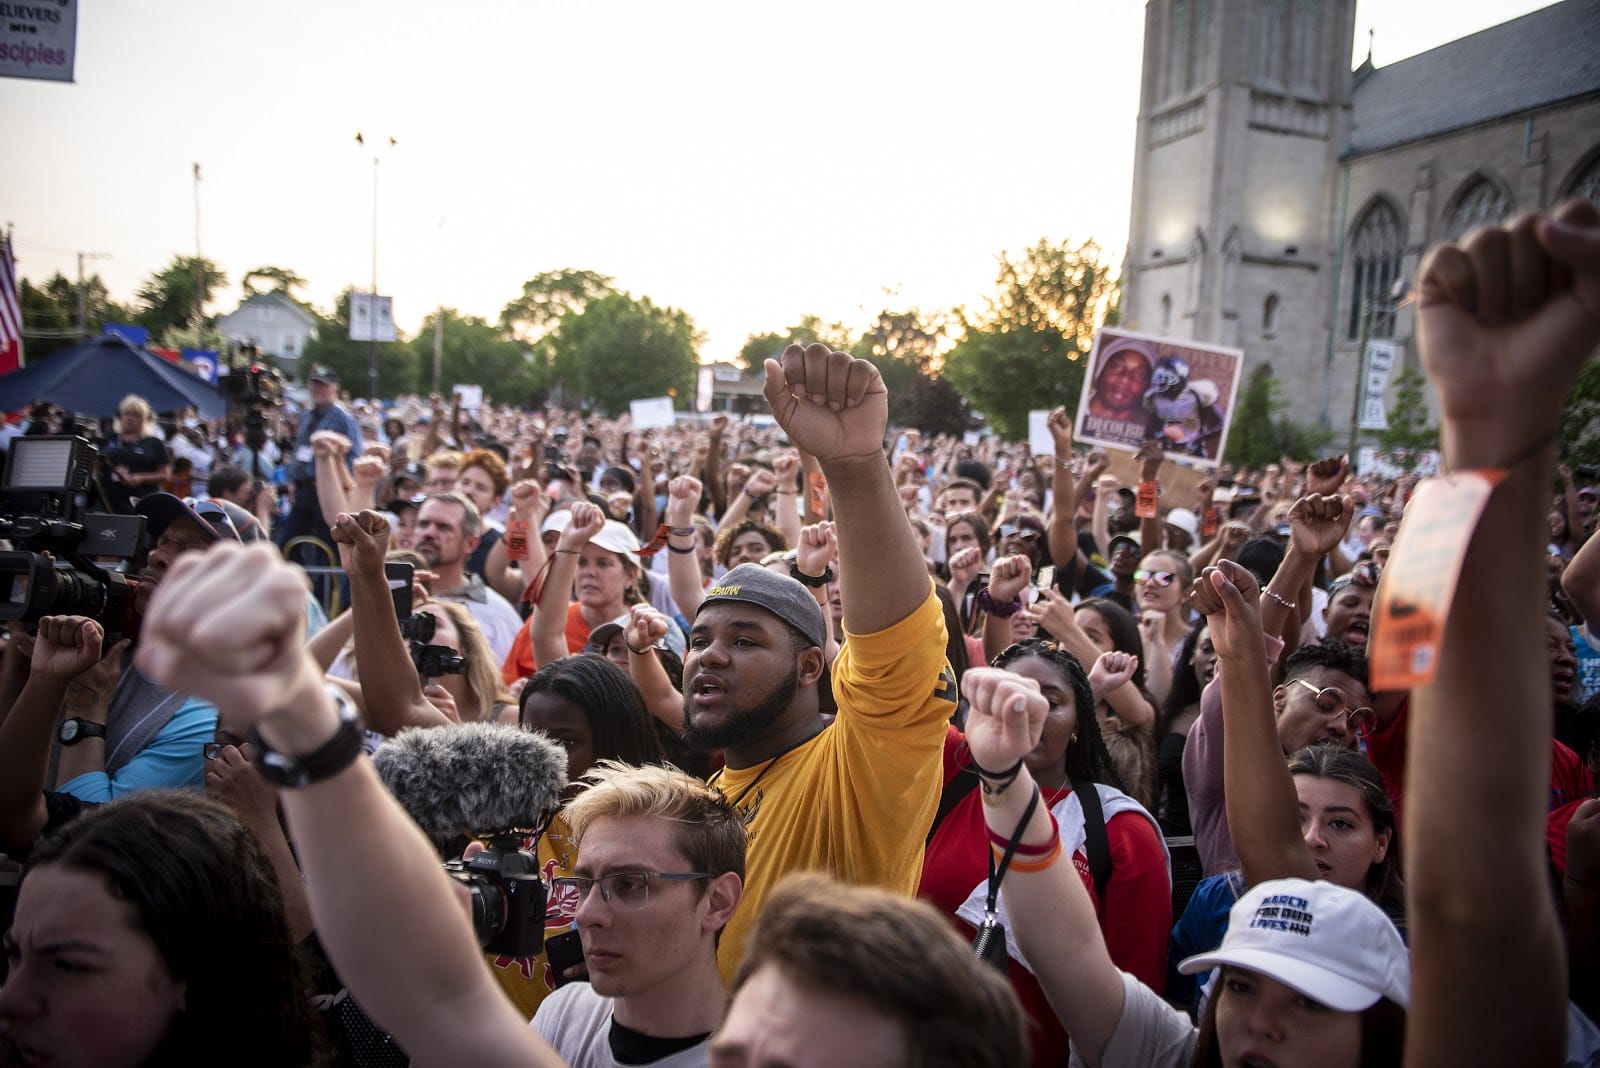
point(325, 576)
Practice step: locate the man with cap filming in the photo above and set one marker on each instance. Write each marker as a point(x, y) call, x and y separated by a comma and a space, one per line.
point(114, 731)
point(325, 413)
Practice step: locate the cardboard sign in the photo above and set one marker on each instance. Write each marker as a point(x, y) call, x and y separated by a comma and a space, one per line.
point(651, 412)
point(1141, 387)
point(471, 397)
point(1413, 603)
point(1040, 440)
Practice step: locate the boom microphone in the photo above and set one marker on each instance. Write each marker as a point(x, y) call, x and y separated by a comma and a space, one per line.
point(473, 778)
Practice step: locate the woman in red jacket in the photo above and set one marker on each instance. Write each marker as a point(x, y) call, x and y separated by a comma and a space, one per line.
point(1133, 898)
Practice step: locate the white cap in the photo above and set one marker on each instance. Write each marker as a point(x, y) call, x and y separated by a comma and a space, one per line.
point(1328, 942)
point(1185, 521)
point(617, 537)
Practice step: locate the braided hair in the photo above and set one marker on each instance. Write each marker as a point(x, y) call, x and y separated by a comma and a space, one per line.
point(1087, 758)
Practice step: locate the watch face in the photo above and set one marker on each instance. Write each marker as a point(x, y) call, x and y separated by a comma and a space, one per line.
point(69, 730)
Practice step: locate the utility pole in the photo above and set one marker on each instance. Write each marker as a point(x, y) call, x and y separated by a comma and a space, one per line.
point(199, 264)
point(83, 303)
point(372, 316)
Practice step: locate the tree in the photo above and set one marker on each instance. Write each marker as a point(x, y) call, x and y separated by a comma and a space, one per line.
point(167, 298)
point(272, 280)
point(50, 313)
point(476, 353)
point(810, 328)
point(1259, 433)
point(332, 347)
point(1409, 434)
point(905, 347)
point(1580, 419)
point(619, 349)
point(1028, 347)
point(548, 297)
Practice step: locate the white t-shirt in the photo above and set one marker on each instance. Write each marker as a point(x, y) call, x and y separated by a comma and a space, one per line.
point(1150, 1033)
point(577, 1022)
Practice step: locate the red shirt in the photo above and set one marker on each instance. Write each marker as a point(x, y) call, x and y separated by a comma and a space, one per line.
point(1135, 918)
point(519, 661)
point(1569, 779)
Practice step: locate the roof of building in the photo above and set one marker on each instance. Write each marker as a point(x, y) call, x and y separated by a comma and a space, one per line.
point(1542, 58)
point(276, 300)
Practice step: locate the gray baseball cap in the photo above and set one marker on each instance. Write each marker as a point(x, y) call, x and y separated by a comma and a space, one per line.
point(778, 594)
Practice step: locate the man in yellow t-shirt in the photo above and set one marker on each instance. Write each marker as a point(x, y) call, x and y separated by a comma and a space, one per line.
point(854, 799)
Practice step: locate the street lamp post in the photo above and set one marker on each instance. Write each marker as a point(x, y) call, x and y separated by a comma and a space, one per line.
point(372, 308)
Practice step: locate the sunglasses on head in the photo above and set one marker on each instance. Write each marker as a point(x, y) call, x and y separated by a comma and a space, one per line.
point(1366, 574)
point(1161, 579)
point(1012, 530)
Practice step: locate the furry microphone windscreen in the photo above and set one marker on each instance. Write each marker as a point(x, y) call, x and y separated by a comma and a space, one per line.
point(478, 778)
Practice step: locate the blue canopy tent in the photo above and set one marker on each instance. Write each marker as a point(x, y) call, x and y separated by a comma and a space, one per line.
point(92, 377)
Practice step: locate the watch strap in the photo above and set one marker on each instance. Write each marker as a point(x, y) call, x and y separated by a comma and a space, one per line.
point(327, 760)
point(814, 581)
point(81, 729)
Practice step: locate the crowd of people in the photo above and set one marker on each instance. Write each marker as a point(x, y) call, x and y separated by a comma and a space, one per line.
point(508, 737)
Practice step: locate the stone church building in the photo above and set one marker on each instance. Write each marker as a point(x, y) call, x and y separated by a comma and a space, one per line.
point(1282, 203)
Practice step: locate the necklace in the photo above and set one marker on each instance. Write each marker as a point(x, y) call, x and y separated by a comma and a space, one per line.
point(717, 778)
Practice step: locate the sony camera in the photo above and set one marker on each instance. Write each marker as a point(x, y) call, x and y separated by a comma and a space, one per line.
point(44, 510)
point(508, 897)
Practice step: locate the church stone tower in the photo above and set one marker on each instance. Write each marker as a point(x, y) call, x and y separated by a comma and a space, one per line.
point(1243, 112)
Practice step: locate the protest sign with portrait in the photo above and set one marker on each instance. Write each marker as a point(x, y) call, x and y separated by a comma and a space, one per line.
point(1178, 392)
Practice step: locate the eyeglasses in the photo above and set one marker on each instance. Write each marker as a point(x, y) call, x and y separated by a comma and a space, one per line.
point(1331, 701)
point(625, 891)
point(1012, 530)
point(1159, 579)
point(212, 750)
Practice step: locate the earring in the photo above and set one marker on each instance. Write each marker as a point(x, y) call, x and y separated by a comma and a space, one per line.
point(1073, 739)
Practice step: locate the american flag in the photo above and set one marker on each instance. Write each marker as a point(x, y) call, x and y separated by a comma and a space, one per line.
point(10, 310)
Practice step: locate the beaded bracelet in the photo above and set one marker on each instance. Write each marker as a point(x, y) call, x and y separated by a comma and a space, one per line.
point(1290, 605)
point(987, 603)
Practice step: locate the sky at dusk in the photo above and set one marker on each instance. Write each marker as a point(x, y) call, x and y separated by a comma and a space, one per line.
point(748, 163)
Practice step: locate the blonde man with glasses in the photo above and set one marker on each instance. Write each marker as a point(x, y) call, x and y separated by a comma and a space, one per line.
point(660, 870)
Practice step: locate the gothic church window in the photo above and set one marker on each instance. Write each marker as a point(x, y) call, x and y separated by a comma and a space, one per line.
point(1478, 203)
point(1586, 183)
point(1305, 63)
point(1375, 253)
point(1269, 315)
point(1271, 58)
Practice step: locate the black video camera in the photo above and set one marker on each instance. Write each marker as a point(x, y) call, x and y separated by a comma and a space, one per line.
point(435, 660)
point(44, 509)
point(508, 897)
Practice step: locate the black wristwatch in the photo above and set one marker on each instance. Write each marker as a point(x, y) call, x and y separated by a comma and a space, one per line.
point(332, 757)
point(76, 729)
point(816, 582)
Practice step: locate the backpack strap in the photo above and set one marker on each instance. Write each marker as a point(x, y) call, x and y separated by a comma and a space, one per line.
point(1096, 844)
point(960, 785)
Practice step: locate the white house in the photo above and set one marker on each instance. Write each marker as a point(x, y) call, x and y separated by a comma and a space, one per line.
point(276, 325)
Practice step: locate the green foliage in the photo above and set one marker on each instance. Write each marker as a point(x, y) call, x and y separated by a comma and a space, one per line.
point(398, 370)
point(618, 349)
point(1409, 434)
point(548, 297)
point(1580, 419)
point(272, 280)
point(905, 347)
point(476, 352)
point(1027, 348)
point(50, 313)
point(810, 328)
point(1260, 433)
point(167, 298)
